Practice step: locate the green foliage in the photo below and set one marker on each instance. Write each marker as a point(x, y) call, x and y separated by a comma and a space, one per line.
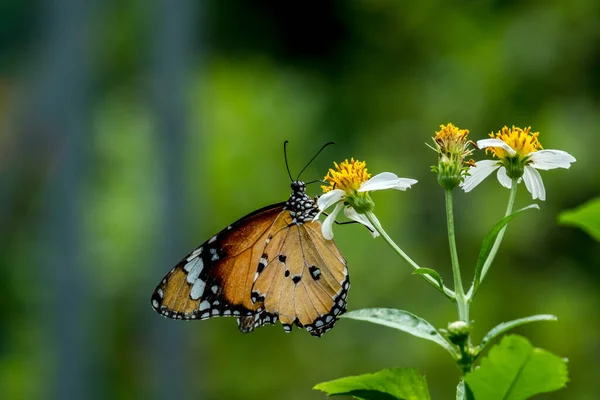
point(387, 384)
point(463, 392)
point(404, 321)
point(506, 326)
point(433, 273)
point(586, 217)
point(488, 242)
point(515, 370)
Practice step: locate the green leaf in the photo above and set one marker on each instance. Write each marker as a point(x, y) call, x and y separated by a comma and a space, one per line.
point(506, 326)
point(463, 392)
point(586, 217)
point(388, 384)
point(404, 321)
point(431, 272)
point(488, 242)
point(515, 370)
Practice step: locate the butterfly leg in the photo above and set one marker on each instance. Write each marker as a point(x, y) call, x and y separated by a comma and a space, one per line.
point(345, 222)
point(349, 222)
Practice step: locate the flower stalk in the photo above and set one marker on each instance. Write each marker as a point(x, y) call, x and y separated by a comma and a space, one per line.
point(490, 259)
point(461, 301)
point(377, 225)
point(509, 209)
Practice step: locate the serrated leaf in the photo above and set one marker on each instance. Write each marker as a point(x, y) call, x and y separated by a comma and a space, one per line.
point(404, 321)
point(586, 217)
point(433, 273)
point(506, 326)
point(515, 370)
point(488, 242)
point(388, 384)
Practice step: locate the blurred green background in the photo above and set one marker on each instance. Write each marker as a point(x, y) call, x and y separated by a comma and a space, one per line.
point(130, 132)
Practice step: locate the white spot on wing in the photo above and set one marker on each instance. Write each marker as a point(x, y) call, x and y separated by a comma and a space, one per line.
point(194, 270)
point(154, 303)
point(160, 293)
point(195, 254)
point(212, 239)
point(197, 289)
point(204, 305)
point(214, 289)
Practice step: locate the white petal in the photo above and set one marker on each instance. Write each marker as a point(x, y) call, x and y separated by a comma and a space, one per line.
point(330, 198)
point(478, 173)
point(386, 180)
point(534, 183)
point(482, 144)
point(550, 159)
point(327, 228)
point(503, 178)
point(353, 215)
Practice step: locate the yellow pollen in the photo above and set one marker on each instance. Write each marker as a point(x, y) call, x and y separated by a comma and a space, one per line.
point(347, 176)
point(523, 141)
point(450, 132)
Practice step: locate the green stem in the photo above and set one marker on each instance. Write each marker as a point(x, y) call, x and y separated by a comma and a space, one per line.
point(461, 301)
point(488, 262)
point(377, 225)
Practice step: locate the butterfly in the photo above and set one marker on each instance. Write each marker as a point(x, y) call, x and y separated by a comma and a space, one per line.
point(273, 264)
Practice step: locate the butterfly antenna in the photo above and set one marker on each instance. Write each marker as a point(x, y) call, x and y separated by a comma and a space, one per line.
point(315, 181)
point(315, 156)
point(287, 166)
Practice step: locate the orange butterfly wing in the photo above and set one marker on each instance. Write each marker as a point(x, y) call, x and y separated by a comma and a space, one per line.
point(215, 279)
point(271, 264)
point(304, 279)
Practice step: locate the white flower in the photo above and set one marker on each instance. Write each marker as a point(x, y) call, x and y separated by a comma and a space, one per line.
point(348, 189)
point(521, 161)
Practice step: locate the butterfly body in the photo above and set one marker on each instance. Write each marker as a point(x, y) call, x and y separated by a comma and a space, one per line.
point(273, 264)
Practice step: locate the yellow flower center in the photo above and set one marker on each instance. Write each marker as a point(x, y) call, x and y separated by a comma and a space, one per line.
point(450, 133)
point(347, 176)
point(523, 141)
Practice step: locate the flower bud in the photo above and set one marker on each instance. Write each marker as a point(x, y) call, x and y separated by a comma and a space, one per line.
point(458, 332)
point(452, 147)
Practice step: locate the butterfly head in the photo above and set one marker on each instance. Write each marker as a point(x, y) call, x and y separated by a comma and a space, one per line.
point(298, 187)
